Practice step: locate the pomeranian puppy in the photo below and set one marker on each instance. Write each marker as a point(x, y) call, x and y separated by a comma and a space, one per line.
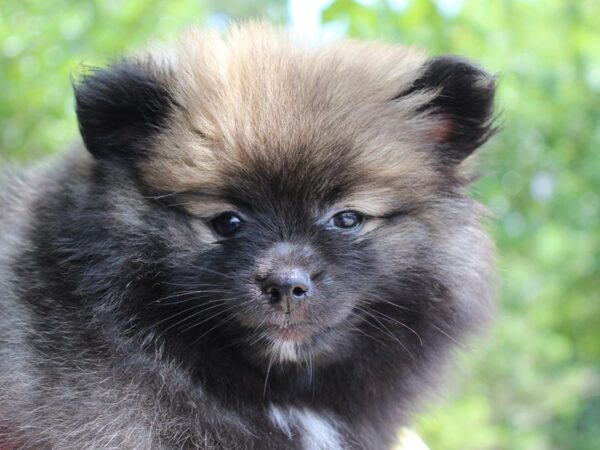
point(263, 245)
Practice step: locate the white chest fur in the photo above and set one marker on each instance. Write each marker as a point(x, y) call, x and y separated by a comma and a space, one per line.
point(316, 431)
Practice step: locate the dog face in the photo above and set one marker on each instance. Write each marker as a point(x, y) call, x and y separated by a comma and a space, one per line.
point(307, 199)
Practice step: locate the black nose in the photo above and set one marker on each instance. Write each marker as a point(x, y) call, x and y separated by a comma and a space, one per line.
point(287, 284)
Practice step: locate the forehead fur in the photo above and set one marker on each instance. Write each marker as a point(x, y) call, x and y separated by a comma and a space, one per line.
point(256, 96)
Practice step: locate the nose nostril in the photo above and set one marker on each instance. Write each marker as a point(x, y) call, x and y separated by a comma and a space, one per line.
point(286, 284)
point(274, 295)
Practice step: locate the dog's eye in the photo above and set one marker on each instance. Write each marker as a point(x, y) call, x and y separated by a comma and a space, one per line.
point(227, 224)
point(346, 220)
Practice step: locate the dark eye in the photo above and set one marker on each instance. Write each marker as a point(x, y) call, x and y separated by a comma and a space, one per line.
point(346, 220)
point(227, 224)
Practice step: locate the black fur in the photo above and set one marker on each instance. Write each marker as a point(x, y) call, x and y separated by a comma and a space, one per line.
point(120, 108)
point(465, 103)
point(97, 294)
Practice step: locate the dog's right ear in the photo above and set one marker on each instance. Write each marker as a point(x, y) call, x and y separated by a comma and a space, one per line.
point(462, 108)
point(120, 108)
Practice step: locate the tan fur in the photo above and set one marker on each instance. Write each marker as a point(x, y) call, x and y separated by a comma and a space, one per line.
point(257, 94)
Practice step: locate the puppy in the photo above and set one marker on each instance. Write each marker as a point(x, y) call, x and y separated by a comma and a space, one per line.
point(263, 245)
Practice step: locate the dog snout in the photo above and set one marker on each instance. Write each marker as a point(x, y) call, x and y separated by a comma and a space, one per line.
point(286, 286)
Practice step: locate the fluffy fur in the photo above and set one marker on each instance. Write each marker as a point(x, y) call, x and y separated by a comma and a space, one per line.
point(127, 322)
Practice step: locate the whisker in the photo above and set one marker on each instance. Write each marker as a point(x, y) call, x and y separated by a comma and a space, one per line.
point(158, 197)
point(271, 358)
point(356, 328)
point(218, 325)
point(386, 331)
point(385, 316)
point(187, 285)
point(196, 324)
point(184, 293)
point(193, 307)
point(200, 268)
point(460, 344)
point(191, 316)
point(406, 308)
point(217, 273)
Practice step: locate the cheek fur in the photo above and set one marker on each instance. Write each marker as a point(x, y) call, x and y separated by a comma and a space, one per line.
point(400, 245)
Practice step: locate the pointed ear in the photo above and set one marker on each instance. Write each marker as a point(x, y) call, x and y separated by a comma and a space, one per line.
point(462, 106)
point(120, 108)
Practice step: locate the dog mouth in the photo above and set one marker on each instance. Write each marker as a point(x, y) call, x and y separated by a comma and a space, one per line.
point(296, 342)
point(296, 332)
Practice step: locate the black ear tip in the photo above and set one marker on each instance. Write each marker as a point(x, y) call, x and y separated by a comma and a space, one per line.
point(463, 104)
point(457, 64)
point(456, 72)
point(119, 108)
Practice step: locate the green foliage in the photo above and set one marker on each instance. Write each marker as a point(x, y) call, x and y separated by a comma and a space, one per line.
point(535, 383)
point(43, 44)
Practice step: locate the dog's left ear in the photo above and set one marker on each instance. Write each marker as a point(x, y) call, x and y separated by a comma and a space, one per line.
point(461, 109)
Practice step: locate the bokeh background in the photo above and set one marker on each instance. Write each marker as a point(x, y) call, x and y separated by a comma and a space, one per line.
point(534, 383)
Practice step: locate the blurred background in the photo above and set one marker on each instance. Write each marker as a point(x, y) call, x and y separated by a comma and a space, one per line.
point(534, 383)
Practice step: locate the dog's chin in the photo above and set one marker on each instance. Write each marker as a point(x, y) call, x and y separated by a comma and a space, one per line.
point(302, 332)
point(299, 343)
